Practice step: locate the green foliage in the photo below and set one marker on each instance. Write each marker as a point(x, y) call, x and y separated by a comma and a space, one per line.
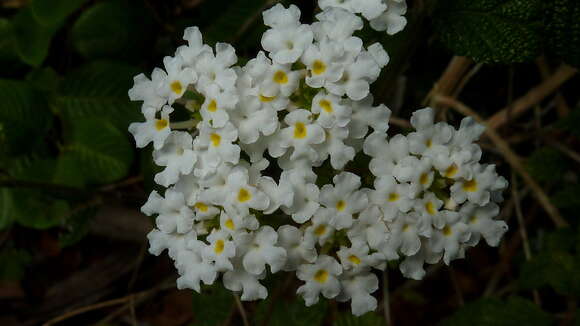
point(77, 227)
point(229, 22)
point(564, 30)
point(514, 311)
point(571, 123)
point(556, 265)
point(212, 306)
point(491, 31)
point(32, 38)
point(547, 164)
point(24, 116)
point(102, 152)
point(291, 312)
point(6, 208)
point(38, 210)
point(368, 319)
point(99, 90)
point(567, 197)
point(54, 11)
point(14, 262)
point(113, 29)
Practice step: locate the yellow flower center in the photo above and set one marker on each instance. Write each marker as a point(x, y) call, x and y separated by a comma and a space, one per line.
point(326, 106)
point(219, 246)
point(424, 178)
point(176, 87)
point(470, 186)
point(321, 276)
point(393, 197)
point(405, 228)
point(447, 231)
point(340, 206)
point(354, 259)
point(430, 208)
point(318, 67)
point(161, 124)
point(428, 143)
point(320, 230)
point(244, 195)
point(201, 206)
point(280, 77)
point(473, 219)
point(230, 224)
point(451, 171)
point(266, 99)
point(215, 139)
point(300, 130)
point(212, 107)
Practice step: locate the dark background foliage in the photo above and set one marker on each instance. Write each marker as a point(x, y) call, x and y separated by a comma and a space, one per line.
point(72, 240)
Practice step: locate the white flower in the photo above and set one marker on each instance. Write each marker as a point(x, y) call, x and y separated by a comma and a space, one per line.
point(478, 189)
point(412, 266)
point(299, 247)
point(379, 54)
point(286, 44)
point(356, 77)
point(406, 230)
point(320, 277)
point(175, 81)
point(370, 9)
point(369, 227)
point(358, 287)
point(215, 69)
point(189, 53)
point(261, 249)
point(174, 214)
point(334, 146)
point(240, 280)
point(391, 197)
point(416, 172)
point(306, 193)
point(336, 23)
point(343, 199)
point(364, 115)
point(447, 239)
point(279, 79)
point(173, 242)
point(301, 134)
point(357, 257)
point(330, 110)
point(217, 103)
point(193, 269)
point(145, 90)
point(241, 196)
point(280, 195)
point(480, 223)
point(218, 144)
point(429, 207)
point(385, 154)
point(152, 130)
point(177, 156)
point(322, 228)
point(235, 223)
point(278, 16)
point(391, 20)
point(323, 61)
point(252, 119)
point(220, 250)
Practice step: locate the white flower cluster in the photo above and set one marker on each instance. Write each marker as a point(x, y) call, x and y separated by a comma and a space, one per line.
point(302, 104)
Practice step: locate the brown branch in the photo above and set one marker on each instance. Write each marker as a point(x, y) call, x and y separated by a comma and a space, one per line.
point(533, 97)
point(511, 157)
point(561, 105)
point(449, 79)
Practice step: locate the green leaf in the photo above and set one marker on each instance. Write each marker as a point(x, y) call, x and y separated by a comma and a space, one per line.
point(212, 306)
point(24, 116)
point(99, 90)
point(103, 153)
point(547, 164)
point(570, 123)
point(368, 319)
point(51, 12)
point(32, 38)
point(113, 29)
point(238, 15)
point(14, 262)
point(44, 79)
point(491, 31)
point(6, 208)
point(7, 41)
point(564, 30)
point(39, 210)
point(567, 197)
point(291, 312)
point(494, 312)
point(77, 227)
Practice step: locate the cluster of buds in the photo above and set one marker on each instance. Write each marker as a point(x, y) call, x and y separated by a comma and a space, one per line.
point(245, 193)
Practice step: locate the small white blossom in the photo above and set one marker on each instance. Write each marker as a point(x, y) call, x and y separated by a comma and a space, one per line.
point(320, 277)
